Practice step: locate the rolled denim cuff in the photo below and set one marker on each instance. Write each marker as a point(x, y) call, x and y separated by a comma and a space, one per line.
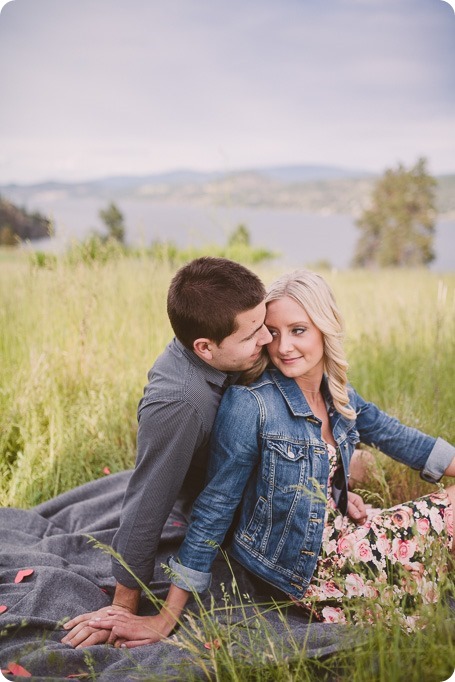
point(438, 461)
point(188, 578)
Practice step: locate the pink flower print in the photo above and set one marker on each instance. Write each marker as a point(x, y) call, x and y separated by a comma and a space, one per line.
point(430, 592)
point(402, 517)
point(362, 551)
point(370, 592)
point(344, 546)
point(338, 523)
point(331, 547)
point(411, 623)
point(440, 495)
point(436, 520)
point(422, 507)
point(312, 591)
point(361, 531)
point(403, 550)
point(355, 586)
point(383, 544)
point(326, 533)
point(448, 519)
point(417, 569)
point(423, 525)
point(333, 615)
point(330, 590)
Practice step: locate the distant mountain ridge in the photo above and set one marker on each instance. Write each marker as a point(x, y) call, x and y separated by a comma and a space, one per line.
point(312, 188)
point(298, 173)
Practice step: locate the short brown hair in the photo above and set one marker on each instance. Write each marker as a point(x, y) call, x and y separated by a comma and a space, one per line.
point(207, 294)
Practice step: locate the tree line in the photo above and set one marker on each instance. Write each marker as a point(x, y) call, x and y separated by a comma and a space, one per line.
point(396, 229)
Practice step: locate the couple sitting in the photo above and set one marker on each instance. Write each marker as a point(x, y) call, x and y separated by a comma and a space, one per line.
point(282, 445)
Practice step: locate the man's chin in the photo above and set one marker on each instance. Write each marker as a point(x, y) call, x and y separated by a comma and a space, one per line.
point(258, 360)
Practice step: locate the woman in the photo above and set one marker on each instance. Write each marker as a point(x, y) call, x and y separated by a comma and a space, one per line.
point(282, 448)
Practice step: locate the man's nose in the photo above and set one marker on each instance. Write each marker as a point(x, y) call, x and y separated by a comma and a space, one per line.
point(265, 336)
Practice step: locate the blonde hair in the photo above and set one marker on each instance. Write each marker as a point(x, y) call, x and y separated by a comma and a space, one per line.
point(313, 293)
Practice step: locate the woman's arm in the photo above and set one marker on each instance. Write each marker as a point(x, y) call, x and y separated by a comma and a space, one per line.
point(432, 456)
point(450, 471)
point(234, 455)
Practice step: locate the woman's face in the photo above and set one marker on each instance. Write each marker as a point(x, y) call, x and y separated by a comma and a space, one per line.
point(297, 346)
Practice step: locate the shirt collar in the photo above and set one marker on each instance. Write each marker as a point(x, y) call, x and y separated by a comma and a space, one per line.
point(211, 374)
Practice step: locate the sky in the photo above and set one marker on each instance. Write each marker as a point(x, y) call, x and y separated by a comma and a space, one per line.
point(90, 88)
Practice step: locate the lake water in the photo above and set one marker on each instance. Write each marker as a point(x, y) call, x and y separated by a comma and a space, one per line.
point(301, 238)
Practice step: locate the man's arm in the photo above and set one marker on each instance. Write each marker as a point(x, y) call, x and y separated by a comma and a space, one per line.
point(168, 436)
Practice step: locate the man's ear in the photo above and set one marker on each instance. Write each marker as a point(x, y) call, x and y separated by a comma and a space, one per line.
point(203, 349)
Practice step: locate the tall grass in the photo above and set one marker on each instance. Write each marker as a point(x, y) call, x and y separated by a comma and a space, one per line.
point(75, 346)
point(76, 341)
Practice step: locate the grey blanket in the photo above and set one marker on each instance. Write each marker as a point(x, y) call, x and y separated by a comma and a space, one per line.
point(71, 576)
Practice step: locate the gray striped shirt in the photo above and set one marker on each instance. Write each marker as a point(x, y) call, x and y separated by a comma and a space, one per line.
point(176, 416)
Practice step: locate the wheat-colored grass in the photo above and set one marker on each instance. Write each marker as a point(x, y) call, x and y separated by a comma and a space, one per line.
point(76, 342)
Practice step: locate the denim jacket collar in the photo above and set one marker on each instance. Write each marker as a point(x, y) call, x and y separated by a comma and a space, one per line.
point(294, 396)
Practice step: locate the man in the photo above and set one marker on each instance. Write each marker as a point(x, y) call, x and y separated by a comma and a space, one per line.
point(216, 309)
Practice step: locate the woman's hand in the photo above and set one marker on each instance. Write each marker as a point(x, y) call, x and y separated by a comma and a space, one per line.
point(131, 630)
point(357, 510)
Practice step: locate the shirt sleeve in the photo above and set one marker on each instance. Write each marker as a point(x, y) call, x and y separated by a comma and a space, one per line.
point(408, 445)
point(234, 454)
point(169, 433)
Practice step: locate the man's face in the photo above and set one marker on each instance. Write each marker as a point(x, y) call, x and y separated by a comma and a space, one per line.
point(240, 350)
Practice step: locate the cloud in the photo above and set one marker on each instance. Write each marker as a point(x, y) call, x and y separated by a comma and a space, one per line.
point(89, 86)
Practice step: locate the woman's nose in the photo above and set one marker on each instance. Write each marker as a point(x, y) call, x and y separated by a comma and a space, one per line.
point(285, 344)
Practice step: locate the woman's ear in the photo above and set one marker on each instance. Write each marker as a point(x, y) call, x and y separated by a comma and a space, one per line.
point(203, 349)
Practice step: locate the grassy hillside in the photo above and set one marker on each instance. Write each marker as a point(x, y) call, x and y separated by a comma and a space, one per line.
point(76, 342)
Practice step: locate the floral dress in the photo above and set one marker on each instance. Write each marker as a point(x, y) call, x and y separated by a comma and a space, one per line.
point(397, 558)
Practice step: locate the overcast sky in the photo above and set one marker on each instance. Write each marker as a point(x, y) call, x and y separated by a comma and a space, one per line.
point(113, 87)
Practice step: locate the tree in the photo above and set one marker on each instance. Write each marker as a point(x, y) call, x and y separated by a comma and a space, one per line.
point(239, 237)
point(398, 228)
point(113, 218)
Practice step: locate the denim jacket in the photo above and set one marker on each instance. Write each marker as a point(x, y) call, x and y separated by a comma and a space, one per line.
point(267, 452)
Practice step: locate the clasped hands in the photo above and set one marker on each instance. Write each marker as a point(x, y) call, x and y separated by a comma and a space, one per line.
point(116, 626)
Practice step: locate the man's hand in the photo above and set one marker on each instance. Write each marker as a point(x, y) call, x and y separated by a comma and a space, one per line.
point(81, 634)
point(357, 510)
point(132, 631)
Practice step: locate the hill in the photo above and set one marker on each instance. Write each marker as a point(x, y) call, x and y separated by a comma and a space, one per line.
point(319, 189)
point(16, 223)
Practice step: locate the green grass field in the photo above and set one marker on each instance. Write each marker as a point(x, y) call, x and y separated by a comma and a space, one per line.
point(77, 340)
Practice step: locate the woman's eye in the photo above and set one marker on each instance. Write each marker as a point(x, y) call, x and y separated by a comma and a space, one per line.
point(272, 332)
point(298, 330)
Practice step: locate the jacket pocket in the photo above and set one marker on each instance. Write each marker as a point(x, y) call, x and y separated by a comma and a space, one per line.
point(284, 464)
